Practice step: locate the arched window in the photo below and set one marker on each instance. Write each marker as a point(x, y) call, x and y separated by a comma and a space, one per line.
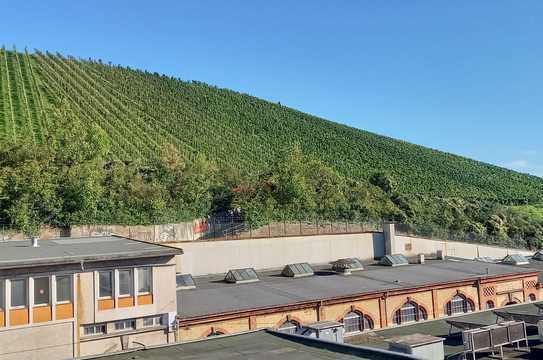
point(410, 312)
point(489, 304)
point(356, 322)
point(531, 298)
point(290, 327)
point(459, 304)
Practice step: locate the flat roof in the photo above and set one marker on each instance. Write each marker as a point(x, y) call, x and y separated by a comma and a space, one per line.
point(21, 254)
point(440, 328)
point(262, 345)
point(276, 290)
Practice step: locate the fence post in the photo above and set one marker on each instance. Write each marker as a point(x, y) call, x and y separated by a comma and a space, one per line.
point(301, 231)
point(269, 230)
point(317, 225)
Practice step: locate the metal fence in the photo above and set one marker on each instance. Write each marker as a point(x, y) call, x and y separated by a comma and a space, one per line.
point(242, 230)
point(206, 230)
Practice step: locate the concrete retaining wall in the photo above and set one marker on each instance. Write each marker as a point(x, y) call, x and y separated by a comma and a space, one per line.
point(212, 257)
point(412, 246)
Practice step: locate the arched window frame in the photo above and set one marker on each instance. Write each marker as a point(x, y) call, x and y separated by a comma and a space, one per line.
point(410, 312)
point(356, 321)
point(215, 333)
point(489, 304)
point(290, 326)
point(459, 304)
point(532, 297)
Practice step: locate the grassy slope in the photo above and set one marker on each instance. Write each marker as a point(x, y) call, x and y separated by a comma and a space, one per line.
point(142, 111)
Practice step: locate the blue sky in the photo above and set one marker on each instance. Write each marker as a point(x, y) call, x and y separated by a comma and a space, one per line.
point(460, 76)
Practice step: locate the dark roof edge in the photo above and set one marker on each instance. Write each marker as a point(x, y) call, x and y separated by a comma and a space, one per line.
point(342, 347)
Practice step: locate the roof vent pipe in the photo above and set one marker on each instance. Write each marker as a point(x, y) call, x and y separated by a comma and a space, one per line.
point(35, 241)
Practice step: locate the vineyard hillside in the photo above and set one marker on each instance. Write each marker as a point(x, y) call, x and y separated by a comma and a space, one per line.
point(141, 112)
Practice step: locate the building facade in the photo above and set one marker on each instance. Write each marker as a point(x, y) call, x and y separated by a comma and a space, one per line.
point(83, 296)
point(384, 308)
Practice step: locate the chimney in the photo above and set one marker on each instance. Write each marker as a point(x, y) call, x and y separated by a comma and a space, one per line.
point(439, 254)
point(421, 258)
point(35, 241)
point(389, 234)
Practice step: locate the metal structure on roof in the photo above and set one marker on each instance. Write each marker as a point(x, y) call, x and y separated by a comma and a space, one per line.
point(184, 281)
point(485, 259)
point(538, 256)
point(394, 260)
point(297, 270)
point(515, 259)
point(241, 276)
point(346, 266)
point(528, 318)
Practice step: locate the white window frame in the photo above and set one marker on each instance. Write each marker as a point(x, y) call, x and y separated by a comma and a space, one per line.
point(157, 321)
point(27, 294)
point(94, 327)
point(150, 269)
point(131, 283)
point(49, 300)
point(3, 295)
point(113, 282)
point(71, 289)
point(125, 322)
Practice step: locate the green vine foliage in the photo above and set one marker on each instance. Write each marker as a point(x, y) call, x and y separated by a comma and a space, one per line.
point(130, 146)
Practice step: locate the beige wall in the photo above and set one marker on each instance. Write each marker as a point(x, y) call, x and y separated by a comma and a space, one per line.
point(210, 257)
point(113, 344)
point(42, 342)
point(164, 297)
point(452, 248)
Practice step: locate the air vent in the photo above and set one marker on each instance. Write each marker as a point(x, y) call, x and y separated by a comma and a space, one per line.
point(346, 266)
point(538, 256)
point(241, 276)
point(484, 259)
point(394, 260)
point(297, 270)
point(184, 281)
point(515, 259)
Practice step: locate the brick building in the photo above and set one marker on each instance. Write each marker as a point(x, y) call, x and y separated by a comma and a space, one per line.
point(376, 297)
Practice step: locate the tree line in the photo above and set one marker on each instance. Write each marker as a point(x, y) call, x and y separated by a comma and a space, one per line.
point(73, 178)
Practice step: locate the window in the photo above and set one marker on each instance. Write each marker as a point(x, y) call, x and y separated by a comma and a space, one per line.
point(41, 291)
point(489, 304)
point(95, 329)
point(105, 280)
point(290, 327)
point(125, 282)
point(2, 306)
point(144, 280)
point(459, 304)
point(125, 325)
point(18, 293)
point(355, 322)
point(64, 289)
point(152, 321)
point(410, 312)
point(531, 298)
